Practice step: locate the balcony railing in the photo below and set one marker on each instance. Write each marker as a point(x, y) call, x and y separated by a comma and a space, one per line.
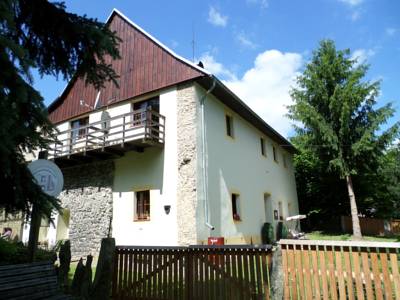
point(134, 130)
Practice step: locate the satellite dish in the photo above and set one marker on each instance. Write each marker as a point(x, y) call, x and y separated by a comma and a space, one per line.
point(105, 121)
point(48, 176)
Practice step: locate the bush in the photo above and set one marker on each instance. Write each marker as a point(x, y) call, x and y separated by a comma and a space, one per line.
point(17, 253)
point(282, 231)
point(267, 233)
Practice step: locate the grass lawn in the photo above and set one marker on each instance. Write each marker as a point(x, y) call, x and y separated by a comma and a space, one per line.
point(322, 235)
point(72, 268)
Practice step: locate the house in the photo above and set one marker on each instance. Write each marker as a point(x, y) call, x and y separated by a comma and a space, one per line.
point(170, 157)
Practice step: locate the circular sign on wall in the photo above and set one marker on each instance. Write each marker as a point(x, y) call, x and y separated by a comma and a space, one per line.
point(48, 175)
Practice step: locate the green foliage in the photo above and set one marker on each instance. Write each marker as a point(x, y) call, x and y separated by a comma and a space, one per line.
point(340, 135)
point(383, 186)
point(267, 233)
point(17, 253)
point(42, 35)
point(336, 109)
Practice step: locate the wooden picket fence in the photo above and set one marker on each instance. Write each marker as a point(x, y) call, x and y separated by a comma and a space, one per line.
point(340, 270)
point(395, 227)
point(194, 272)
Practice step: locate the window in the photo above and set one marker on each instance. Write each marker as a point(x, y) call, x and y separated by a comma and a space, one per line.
point(284, 160)
point(229, 125)
point(262, 144)
point(140, 109)
point(235, 207)
point(275, 154)
point(77, 131)
point(142, 206)
point(267, 207)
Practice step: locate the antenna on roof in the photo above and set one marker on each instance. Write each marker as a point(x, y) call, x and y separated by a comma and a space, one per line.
point(193, 42)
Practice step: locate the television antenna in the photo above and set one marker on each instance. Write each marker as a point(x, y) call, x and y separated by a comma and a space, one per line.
point(193, 42)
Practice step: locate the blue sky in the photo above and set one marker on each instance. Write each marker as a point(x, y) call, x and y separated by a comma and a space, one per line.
point(257, 47)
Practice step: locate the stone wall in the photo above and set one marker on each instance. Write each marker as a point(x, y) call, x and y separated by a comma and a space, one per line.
point(88, 195)
point(187, 162)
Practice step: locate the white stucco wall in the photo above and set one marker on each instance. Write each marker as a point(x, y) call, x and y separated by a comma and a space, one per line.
point(236, 165)
point(154, 169)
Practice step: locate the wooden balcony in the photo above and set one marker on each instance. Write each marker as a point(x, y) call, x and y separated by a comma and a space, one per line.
point(109, 138)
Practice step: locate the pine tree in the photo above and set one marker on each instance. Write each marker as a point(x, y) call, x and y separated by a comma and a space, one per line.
point(42, 35)
point(336, 107)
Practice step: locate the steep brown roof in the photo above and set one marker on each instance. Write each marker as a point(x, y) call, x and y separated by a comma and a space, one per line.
point(145, 65)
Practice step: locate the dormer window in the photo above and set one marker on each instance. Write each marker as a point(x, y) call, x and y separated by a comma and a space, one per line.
point(77, 131)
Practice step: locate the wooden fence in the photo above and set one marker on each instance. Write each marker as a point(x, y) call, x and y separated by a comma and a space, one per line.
point(340, 270)
point(395, 227)
point(194, 272)
point(369, 226)
point(373, 226)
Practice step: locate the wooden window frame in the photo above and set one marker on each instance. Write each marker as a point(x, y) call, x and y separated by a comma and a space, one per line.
point(280, 210)
point(142, 210)
point(229, 126)
point(284, 158)
point(81, 132)
point(235, 203)
point(140, 119)
point(275, 153)
point(263, 148)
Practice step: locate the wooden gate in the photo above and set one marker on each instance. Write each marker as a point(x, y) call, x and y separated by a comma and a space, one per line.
point(194, 272)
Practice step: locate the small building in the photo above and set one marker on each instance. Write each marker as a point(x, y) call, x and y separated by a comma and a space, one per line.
point(171, 156)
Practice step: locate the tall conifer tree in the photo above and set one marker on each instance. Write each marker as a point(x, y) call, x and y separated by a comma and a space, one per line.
point(42, 35)
point(336, 107)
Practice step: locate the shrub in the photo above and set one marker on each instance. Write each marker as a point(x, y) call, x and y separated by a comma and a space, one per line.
point(17, 253)
point(267, 233)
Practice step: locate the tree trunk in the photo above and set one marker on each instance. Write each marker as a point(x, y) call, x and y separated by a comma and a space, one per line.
point(353, 208)
point(33, 233)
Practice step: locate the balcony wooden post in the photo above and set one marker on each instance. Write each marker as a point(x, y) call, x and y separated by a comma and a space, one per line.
point(86, 139)
point(70, 144)
point(123, 131)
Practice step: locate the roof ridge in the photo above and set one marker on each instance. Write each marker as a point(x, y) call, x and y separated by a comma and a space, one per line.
point(177, 56)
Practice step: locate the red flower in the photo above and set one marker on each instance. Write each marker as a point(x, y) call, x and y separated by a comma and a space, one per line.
point(236, 217)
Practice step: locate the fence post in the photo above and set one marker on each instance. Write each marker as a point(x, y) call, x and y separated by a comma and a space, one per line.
point(188, 273)
point(104, 271)
point(276, 274)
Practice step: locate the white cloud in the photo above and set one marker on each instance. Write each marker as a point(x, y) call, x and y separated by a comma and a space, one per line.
point(352, 2)
point(262, 3)
point(390, 31)
point(355, 15)
point(362, 55)
point(216, 18)
point(216, 68)
point(355, 7)
point(265, 86)
point(244, 40)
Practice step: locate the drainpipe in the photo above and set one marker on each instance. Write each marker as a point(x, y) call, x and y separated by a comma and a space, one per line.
point(204, 162)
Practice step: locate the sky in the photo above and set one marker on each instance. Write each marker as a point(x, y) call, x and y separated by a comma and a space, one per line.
point(258, 47)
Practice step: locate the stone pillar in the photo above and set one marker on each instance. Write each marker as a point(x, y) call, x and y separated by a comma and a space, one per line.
point(187, 164)
point(88, 195)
